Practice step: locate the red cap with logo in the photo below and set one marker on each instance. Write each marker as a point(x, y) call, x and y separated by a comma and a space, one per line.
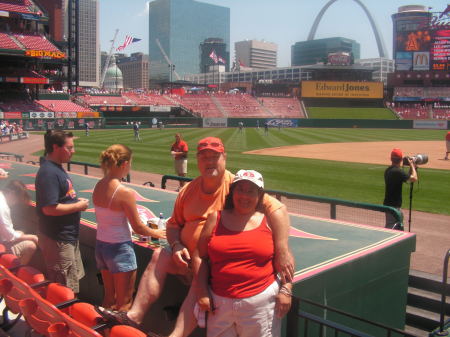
point(210, 143)
point(396, 153)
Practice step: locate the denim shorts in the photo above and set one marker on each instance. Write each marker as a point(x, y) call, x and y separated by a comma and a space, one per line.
point(115, 257)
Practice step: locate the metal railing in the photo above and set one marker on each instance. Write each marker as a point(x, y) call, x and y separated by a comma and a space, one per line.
point(314, 325)
point(333, 204)
point(441, 331)
point(86, 168)
point(7, 155)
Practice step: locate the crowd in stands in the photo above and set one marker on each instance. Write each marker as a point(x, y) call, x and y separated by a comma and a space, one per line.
point(421, 111)
point(423, 92)
point(7, 128)
point(61, 106)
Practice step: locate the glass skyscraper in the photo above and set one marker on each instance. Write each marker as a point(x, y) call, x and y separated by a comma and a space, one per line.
point(180, 26)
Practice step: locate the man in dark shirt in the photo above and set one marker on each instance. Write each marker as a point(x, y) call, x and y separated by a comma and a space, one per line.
point(394, 177)
point(59, 210)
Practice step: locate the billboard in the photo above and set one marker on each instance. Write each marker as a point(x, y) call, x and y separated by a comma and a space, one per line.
point(356, 90)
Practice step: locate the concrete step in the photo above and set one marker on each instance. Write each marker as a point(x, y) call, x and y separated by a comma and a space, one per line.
point(416, 331)
point(425, 281)
point(427, 300)
point(422, 319)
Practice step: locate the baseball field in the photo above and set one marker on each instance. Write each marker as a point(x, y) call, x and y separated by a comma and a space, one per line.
point(338, 163)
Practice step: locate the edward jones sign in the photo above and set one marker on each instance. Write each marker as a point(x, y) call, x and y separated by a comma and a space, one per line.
point(356, 90)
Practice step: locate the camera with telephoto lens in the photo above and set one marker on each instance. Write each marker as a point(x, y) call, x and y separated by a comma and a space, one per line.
point(418, 159)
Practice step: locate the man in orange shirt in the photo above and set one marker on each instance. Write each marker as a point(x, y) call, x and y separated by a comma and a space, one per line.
point(194, 203)
point(179, 151)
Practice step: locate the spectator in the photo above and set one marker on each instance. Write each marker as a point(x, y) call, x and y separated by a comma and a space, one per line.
point(237, 282)
point(179, 151)
point(447, 144)
point(114, 205)
point(20, 244)
point(59, 212)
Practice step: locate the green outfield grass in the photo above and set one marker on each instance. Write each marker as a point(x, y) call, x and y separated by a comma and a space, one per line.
point(350, 181)
point(350, 113)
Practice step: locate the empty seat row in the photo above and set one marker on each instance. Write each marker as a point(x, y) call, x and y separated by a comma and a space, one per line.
point(50, 309)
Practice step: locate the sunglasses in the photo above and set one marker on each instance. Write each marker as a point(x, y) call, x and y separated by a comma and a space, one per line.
point(209, 144)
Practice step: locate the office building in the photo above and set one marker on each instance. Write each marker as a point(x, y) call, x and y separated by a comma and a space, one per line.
point(176, 30)
point(213, 52)
point(256, 54)
point(316, 51)
point(382, 66)
point(134, 70)
point(85, 31)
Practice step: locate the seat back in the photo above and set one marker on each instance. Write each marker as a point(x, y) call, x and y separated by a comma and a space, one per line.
point(39, 313)
point(30, 275)
point(9, 260)
point(125, 331)
point(85, 313)
point(71, 328)
point(13, 290)
point(56, 293)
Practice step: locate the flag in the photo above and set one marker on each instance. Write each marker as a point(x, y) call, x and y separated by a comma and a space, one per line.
point(213, 56)
point(241, 64)
point(128, 40)
point(221, 60)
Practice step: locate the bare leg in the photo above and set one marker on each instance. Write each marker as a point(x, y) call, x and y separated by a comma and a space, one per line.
point(109, 297)
point(151, 284)
point(186, 321)
point(124, 286)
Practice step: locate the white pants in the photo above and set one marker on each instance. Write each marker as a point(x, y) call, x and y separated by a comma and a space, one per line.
point(245, 317)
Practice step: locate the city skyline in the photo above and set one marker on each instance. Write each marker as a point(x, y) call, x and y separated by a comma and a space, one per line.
point(282, 23)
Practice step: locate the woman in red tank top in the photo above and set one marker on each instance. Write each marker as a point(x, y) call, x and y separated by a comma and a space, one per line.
point(237, 283)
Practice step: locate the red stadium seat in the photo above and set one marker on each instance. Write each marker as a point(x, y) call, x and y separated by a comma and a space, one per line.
point(30, 275)
point(9, 261)
point(85, 313)
point(125, 331)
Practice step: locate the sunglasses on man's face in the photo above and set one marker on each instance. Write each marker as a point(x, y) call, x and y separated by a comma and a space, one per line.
point(210, 144)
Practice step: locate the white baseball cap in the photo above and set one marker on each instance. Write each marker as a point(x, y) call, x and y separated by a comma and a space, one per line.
point(250, 175)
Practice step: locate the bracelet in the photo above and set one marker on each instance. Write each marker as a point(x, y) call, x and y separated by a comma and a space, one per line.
point(285, 290)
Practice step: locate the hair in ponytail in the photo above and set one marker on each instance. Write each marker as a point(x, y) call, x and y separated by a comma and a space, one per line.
point(114, 156)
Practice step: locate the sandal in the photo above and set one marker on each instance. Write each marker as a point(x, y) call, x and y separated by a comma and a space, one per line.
point(116, 317)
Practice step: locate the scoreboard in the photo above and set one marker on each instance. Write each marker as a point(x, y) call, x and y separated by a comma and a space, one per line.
point(440, 50)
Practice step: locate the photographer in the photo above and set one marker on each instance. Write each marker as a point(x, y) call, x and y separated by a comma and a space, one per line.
point(394, 177)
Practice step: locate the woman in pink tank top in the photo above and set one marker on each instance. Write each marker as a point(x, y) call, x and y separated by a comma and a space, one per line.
point(117, 217)
point(237, 283)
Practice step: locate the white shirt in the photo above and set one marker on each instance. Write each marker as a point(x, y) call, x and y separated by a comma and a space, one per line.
point(7, 232)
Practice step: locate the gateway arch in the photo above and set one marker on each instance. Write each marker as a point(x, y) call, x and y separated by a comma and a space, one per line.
point(380, 43)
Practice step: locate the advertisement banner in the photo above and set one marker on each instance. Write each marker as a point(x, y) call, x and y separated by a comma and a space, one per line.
point(25, 115)
point(403, 61)
point(159, 108)
point(1, 115)
point(215, 122)
point(420, 124)
point(87, 114)
point(282, 123)
point(359, 90)
point(12, 115)
point(421, 61)
point(42, 114)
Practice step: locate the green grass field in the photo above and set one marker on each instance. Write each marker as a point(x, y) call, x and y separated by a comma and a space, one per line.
point(350, 113)
point(349, 181)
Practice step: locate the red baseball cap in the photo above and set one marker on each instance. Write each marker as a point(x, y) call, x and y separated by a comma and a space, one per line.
point(396, 153)
point(210, 143)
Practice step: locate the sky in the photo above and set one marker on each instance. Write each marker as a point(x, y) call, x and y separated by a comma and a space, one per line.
point(283, 22)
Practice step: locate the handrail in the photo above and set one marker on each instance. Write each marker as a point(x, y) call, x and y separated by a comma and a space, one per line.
point(18, 157)
point(444, 296)
point(87, 165)
point(331, 201)
point(295, 313)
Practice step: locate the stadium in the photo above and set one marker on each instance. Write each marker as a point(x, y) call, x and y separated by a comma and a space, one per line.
point(321, 138)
